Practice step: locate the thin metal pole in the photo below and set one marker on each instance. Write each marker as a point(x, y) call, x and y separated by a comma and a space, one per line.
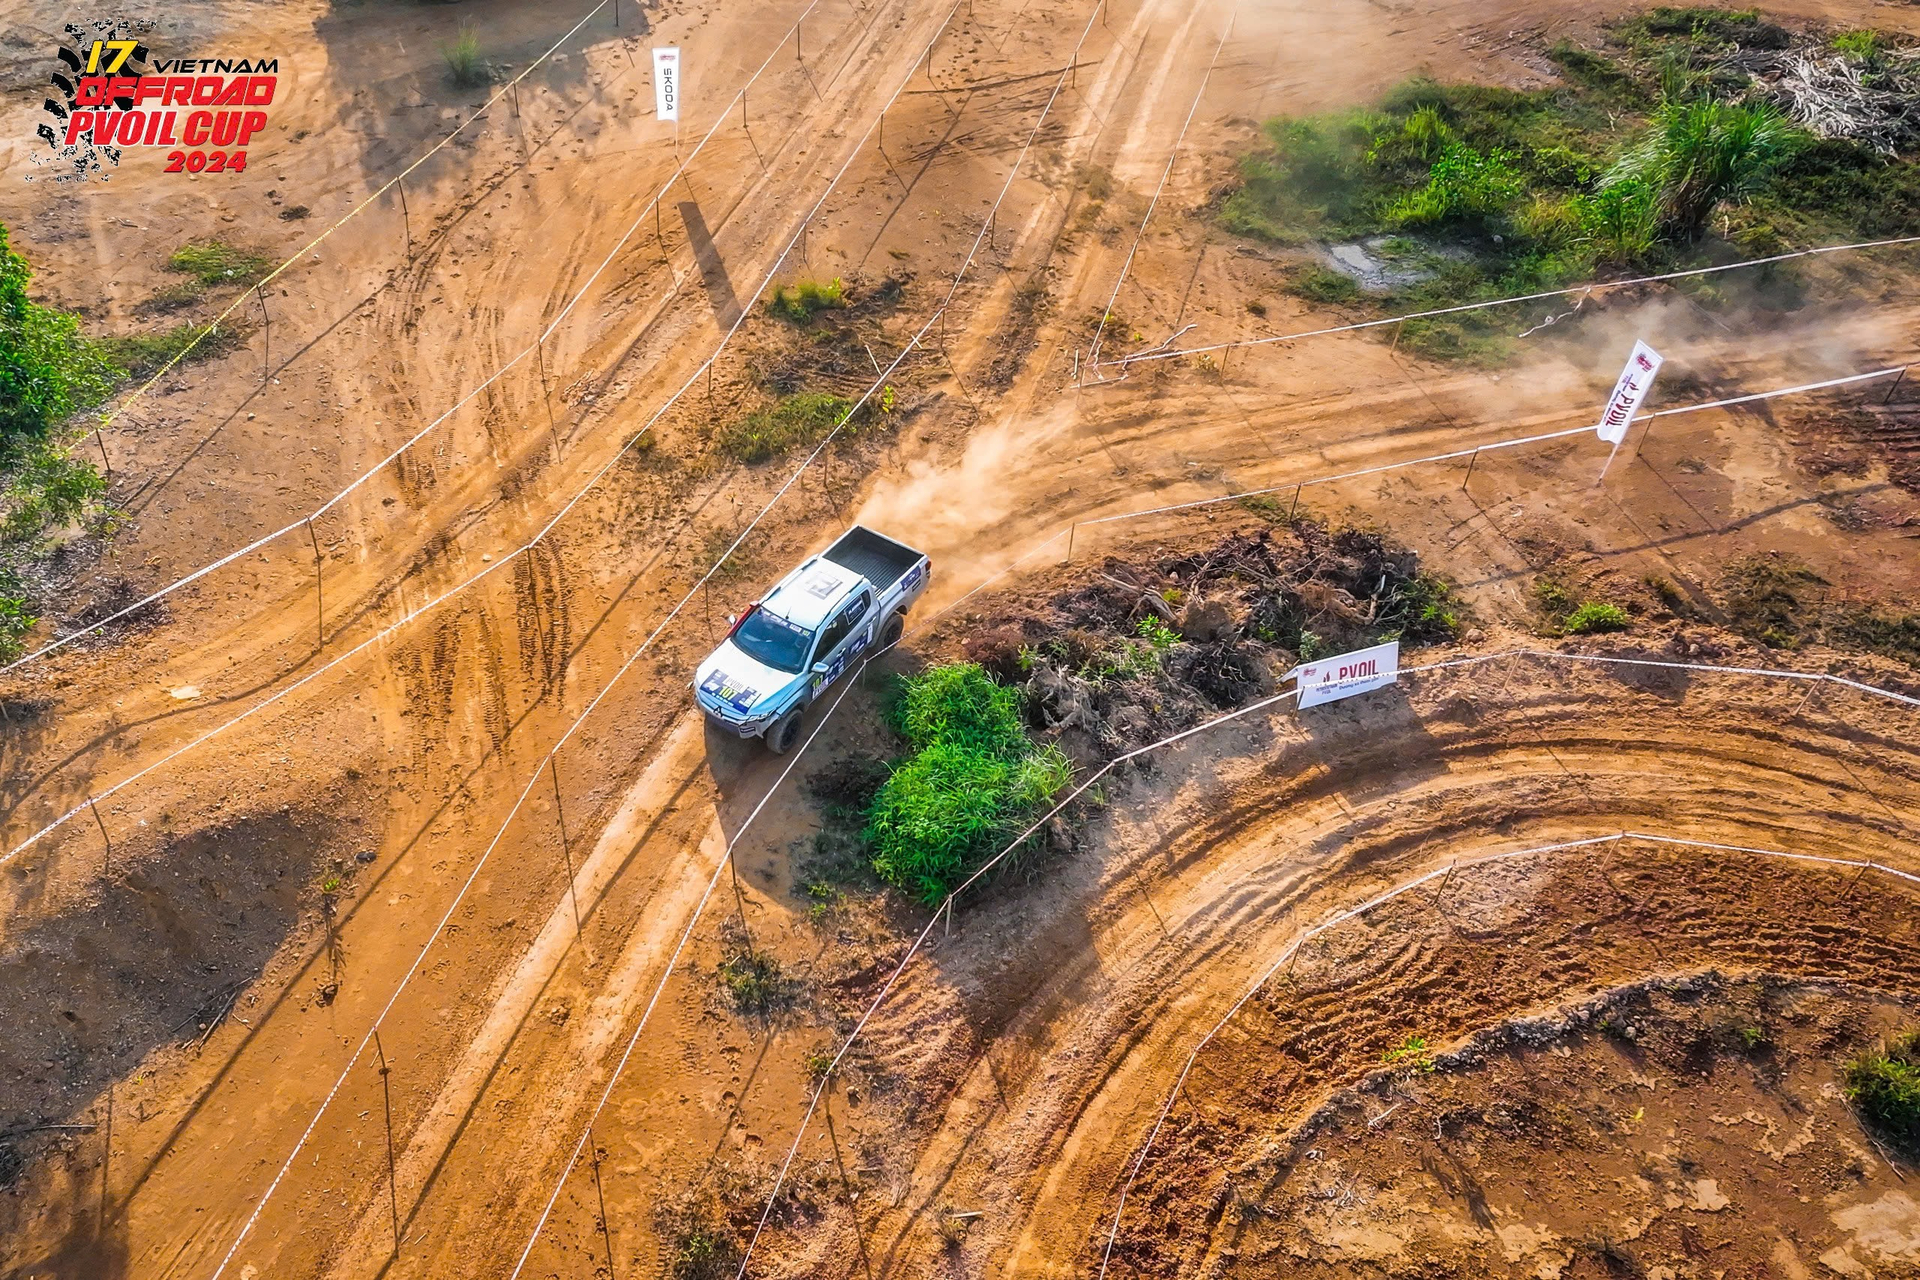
point(546, 396)
point(386, 1093)
point(553, 766)
point(1073, 531)
point(266, 329)
point(406, 217)
point(616, 15)
point(1898, 379)
point(796, 42)
point(1470, 463)
point(100, 440)
point(91, 804)
point(319, 588)
point(1296, 503)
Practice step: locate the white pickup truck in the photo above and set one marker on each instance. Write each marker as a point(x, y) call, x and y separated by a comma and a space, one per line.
point(803, 635)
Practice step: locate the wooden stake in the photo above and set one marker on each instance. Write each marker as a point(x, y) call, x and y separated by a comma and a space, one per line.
point(105, 465)
point(1073, 531)
point(266, 329)
point(553, 767)
point(386, 1093)
point(600, 1190)
point(319, 589)
point(103, 833)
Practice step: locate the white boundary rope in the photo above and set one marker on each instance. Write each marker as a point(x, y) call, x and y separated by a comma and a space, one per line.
point(1595, 287)
point(507, 558)
point(1500, 444)
point(531, 348)
point(947, 903)
point(107, 419)
point(535, 774)
point(1172, 156)
point(1293, 948)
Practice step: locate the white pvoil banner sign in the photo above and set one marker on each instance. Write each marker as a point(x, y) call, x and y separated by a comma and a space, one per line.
point(1636, 380)
point(666, 83)
point(1331, 679)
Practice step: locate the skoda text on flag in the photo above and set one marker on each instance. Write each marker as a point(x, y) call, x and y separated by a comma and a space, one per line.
point(666, 83)
point(1346, 674)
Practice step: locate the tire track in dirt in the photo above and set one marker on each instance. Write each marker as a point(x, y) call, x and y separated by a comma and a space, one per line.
point(1028, 1135)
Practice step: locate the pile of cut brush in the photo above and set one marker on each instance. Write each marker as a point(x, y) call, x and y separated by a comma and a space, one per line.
point(1139, 649)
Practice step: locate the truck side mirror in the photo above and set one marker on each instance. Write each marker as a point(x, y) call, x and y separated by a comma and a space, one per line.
point(819, 668)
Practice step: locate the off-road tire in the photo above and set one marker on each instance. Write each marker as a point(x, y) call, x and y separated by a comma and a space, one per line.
point(782, 734)
point(891, 633)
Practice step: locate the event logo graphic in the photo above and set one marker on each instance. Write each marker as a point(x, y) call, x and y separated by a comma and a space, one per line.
point(111, 94)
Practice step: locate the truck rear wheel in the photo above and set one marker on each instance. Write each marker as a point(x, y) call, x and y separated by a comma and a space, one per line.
point(781, 737)
point(891, 633)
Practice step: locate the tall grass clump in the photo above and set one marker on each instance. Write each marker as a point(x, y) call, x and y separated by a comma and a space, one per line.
point(1884, 1085)
point(465, 67)
point(1698, 152)
point(800, 303)
point(973, 781)
point(215, 262)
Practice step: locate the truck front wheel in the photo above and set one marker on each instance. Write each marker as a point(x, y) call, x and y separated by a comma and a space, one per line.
point(782, 735)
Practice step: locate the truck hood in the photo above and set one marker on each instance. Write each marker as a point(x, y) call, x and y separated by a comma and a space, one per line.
point(744, 687)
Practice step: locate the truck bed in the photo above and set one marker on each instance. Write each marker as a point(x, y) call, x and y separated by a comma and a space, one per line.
point(878, 559)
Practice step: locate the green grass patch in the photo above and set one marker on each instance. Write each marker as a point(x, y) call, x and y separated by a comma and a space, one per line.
point(973, 780)
point(1657, 153)
point(1884, 1086)
point(1596, 617)
point(211, 263)
point(788, 423)
point(806, 299)
point(140, 354)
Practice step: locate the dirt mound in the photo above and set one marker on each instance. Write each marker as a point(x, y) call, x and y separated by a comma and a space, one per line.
point(1664, 1129)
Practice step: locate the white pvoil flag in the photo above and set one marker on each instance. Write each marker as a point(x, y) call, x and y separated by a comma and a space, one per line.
point(666, 83)
point(1331, 679)
point(1636, 380)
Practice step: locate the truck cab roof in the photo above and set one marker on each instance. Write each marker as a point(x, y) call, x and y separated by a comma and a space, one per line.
point(811, 592)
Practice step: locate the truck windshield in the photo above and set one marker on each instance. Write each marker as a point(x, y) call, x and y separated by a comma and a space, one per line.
point(773, 642)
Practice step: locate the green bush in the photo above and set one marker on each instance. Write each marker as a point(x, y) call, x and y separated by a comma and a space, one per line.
point(973, 782)
point(1595, 617)
point(794, 421)
point(1322, 284)
point(140, 354)
point(16, 617)
point(805, 299)
point(1862, 45)
point(1885, 1087)
point(48, 370)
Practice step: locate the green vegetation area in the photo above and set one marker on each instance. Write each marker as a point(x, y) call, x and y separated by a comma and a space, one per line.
point(972, 781)
point(50, 372)
point(793, 421)
point(805, 299)
point(1661, 150)
point(466, 69)
point(1884, 1085)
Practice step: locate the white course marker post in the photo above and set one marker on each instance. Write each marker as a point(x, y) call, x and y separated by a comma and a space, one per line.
point(1629, 393)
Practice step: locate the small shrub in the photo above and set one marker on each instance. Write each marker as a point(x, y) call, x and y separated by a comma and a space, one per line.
point(1552, 596)
point(754, 983)
point(1159, 636)
point(16, 619)
point(1884, 1085)
point(1463, 185)
point(1595, 617)
point(1864, 46)
point(1412, 1052)
point(465, 67)
point(806, 299)
point(974, 780)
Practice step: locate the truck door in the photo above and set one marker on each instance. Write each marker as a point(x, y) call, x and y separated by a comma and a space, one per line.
point(843, 638)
